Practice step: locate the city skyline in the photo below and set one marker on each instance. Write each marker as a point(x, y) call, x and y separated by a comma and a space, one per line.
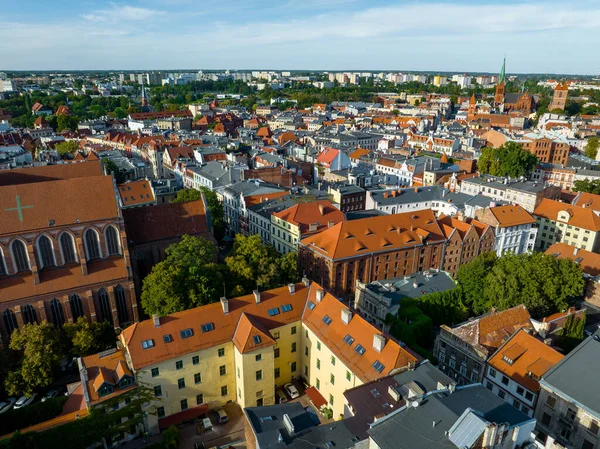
point(537, 37)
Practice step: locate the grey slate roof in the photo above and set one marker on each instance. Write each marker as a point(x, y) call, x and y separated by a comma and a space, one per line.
point(271, 433)
point(412, 428)
point(576, 376)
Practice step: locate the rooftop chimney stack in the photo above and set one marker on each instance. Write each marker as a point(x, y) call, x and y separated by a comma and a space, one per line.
point(225, 305)
point(156, 319)
point(257, 296)
point(346, 316)
point(378, 342)
point(292, 288)
point(306, 281)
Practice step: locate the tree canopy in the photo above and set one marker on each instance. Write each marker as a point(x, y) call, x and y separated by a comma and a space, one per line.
point(541, 282)
point(572, 333)
point(67, 147)
point(509, 159)
point(188, 277)
point(591, 147)
point(40, 345)
point(85, 337)
point(587, 186)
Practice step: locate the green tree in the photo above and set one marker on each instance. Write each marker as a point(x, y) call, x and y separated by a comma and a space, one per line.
point(188, 277)
point(471, 278)
point(185, 195)
point(591, 147)
point(67, 147)
point(86, 337)
point(66, 123)
point(587, 186)
point(41, 349)
point(288, 268)
point(120, 113)
point(510, 159)
point(572, 333)
point(253, 263)
point(444, 307)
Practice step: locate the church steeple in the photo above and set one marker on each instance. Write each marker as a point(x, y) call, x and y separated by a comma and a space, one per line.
point(502, 75)
point(144, 101)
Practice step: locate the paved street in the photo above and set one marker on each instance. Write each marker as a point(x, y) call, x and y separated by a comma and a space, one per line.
point(220, 435)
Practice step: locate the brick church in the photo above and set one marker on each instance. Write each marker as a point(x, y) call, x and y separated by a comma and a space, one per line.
point(63, 249)
point(522, 102)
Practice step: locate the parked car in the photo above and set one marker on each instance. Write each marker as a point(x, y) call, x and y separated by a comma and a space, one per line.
point(7, 405)
point(222, 416)
point(51, 394)
point(281, 397)
point(24, 401)
point(291, 390)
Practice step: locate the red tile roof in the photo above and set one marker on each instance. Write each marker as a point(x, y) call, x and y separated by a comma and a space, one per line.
point(135, 193)
point(320, 213)
point(581, 217)
point(166, 221)
point(49, 173)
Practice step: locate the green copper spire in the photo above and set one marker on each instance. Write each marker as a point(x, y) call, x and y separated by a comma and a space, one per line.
point(502, 76)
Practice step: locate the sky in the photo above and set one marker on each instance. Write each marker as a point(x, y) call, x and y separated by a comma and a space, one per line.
point(537, 36)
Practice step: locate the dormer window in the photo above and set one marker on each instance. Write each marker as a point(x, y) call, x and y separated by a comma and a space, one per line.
point(105, 389)
point(186, 333)
point(147, 344)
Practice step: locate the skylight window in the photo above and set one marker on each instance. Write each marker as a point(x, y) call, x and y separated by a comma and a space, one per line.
point(348, 339)
point(327, 320)
point(379, 367)
point(186, 333)
point(286, 308)
point(360, 350)
point(208, 327)
point(256, 339)
point(273, 312)
point(168, 338)
point(311, 305)
point(147, 344)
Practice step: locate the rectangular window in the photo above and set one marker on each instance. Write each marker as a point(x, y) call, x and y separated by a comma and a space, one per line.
point(277, 373)
point(224, 390)
point(319, 345)
point(259, 375)
point(184, 405)
point(258, 357)
point(293, 347)
point(333, 360)
point(157, 391)
point(179, 364)
point(505, 380)
point(593, 427)
point(222, 370)
point(332, 379)
point(221, 352)
point(276, 353)
point(293, 330)
point(155, 372)
point(197, 378)
point(160, 412)
point(529, 396)
point(238, 372)
point(276, 335)
point(293, 367)
point(520, 391)
point(331, 400)
point(186, 333)
point(318, 364)
point(550, 401)
point(492, 372)
point(318, 384)
point(348, 376)
point(199, 399)
point(195, 360)
point(501, 393)
point(181, 383)
point(306, 351)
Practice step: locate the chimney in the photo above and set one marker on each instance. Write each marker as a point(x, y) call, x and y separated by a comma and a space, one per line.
point(346, 316)
point(156, 319)
point(330, 223)
point(225, 304)
point(320, 294)
point(257, 296)
point(385, 194)
point(575, 251)
point(394, 193)
point(378, 342)
point(451, 388)
point(415, 284)
point(416, 190)
point(292, 288)
point(321, 209)
point(306, 281)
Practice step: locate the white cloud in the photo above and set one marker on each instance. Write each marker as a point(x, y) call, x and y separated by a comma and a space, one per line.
point(122, 13)
point(537, 37)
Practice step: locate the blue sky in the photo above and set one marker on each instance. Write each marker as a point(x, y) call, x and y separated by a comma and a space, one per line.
point(466, 35)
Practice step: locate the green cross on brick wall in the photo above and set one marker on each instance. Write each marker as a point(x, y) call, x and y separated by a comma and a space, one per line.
point(19, 208)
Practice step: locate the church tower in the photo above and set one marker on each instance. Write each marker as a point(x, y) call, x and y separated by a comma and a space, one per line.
point(144, 100)
point(499, 96)
point(472, 107)
point(559, 99)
